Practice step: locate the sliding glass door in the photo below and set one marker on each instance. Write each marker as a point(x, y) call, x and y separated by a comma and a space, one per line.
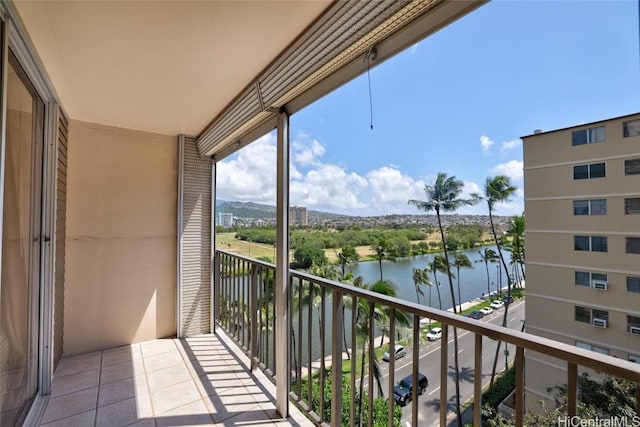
point(21, 247)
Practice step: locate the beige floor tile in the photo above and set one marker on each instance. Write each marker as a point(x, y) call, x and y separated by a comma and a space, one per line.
point(83, 419)
point(174, 396)
point(120, 355)
point(122, 413)
point(162, 361)
point(152, 348)
point(168, 376)
point(78, 364)
point(71, 383)
point(116, 391)
point(119, 372)
point(70, 404)
point(192, 414)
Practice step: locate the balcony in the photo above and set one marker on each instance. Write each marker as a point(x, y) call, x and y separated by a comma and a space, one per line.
point(168, 382)
point(229, 377)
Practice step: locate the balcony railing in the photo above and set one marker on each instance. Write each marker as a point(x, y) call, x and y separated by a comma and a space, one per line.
point(327, 319)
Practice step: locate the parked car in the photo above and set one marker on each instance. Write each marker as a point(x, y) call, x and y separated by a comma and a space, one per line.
point(423, 382)
point(398, 353)
point(497, 304)
point(486, 311)
point(434, 334)
point(476, 315)
point(402, 395)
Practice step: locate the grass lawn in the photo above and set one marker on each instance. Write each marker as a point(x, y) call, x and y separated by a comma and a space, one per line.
point(228, 242)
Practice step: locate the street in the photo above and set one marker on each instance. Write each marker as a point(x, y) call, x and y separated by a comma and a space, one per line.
point(429, 402)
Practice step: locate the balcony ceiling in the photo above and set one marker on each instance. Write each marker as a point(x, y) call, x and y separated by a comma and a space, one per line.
point(161, 66)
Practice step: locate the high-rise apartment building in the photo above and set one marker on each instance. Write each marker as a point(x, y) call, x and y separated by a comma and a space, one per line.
point(582, 204)
point(298, 215)
point(225, 220)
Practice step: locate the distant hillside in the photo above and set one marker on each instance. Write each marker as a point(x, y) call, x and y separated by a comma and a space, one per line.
point(260, 211)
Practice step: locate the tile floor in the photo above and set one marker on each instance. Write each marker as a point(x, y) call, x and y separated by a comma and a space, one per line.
point(202, 381)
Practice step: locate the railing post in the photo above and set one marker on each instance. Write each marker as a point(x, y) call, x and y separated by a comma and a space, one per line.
point(477, 382)
point(414, 370)
point(253, 316)
point(519, 386)
point(444, 363)
point(392, 363)
point(217, 282)
point(572, 389)
point(282, 267)
point(336, 358)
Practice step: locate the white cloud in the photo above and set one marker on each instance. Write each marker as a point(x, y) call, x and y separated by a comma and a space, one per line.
point(251, 174)
point(306, 151)
point(512, 169)
point(486, 144)
point(391, 190)
point(509, 145)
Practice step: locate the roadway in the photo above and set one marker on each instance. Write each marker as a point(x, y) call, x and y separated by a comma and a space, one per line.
point(429, 402)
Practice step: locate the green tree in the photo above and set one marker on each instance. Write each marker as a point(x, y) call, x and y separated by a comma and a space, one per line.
point(516, 232)
point(444, 196)
point(488, 255)
point(438, 265)
point(499, 189)
point(347, 256)
point(383, 251)
point(421, 278)
point(461, 261)
point(307, 254)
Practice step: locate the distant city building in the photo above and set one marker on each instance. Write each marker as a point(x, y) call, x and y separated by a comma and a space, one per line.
point(225, 220)
point(298, 215)
point(582, 204)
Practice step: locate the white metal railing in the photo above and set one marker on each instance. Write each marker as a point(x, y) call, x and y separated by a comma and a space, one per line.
point(245, 308)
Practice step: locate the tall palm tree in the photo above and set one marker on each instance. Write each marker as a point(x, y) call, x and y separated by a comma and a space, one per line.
point(383, 251)
point(488, 255)
point(347, 255)
point(499, 189)
point(444, 196)
point(380, 314)
point(420, 277)
point(438, 265)
point(516, 232)
point(461, 261)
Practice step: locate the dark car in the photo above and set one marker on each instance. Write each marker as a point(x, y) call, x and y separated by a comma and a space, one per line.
point(476, 315)
point(423, 382)
point(507, 300)
point(402, 395)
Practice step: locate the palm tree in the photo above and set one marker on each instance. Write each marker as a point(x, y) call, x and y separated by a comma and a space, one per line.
point(444, 196)
point(488, 255)
point(438, 265)
point(516, 232)
point(461, 261)
point(420, 278)
point(365, 312)
point(347, 256)
point(383, 251)
point(499, 189)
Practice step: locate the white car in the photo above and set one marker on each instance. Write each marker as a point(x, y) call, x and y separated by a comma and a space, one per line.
point(497, 304)
point(400, 352)
point(486, 310)
point(434, 334)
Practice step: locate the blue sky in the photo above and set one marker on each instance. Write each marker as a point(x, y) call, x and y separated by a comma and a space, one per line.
point(456, 102)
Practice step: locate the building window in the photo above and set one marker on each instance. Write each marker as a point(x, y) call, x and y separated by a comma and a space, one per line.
point(632, 206)
point(585, 278)
point(590, 207)
point(632, 167)
point(592, 347)
point(633, 245)
point(593, 170)
point(633, 284)
point(634, 358)
point(631, 128)
point(590, 243)
point(633, 321)
point(582, 314)
point(587, 136)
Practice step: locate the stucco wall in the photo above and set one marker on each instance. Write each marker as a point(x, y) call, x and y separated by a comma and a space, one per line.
point(121, 237)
